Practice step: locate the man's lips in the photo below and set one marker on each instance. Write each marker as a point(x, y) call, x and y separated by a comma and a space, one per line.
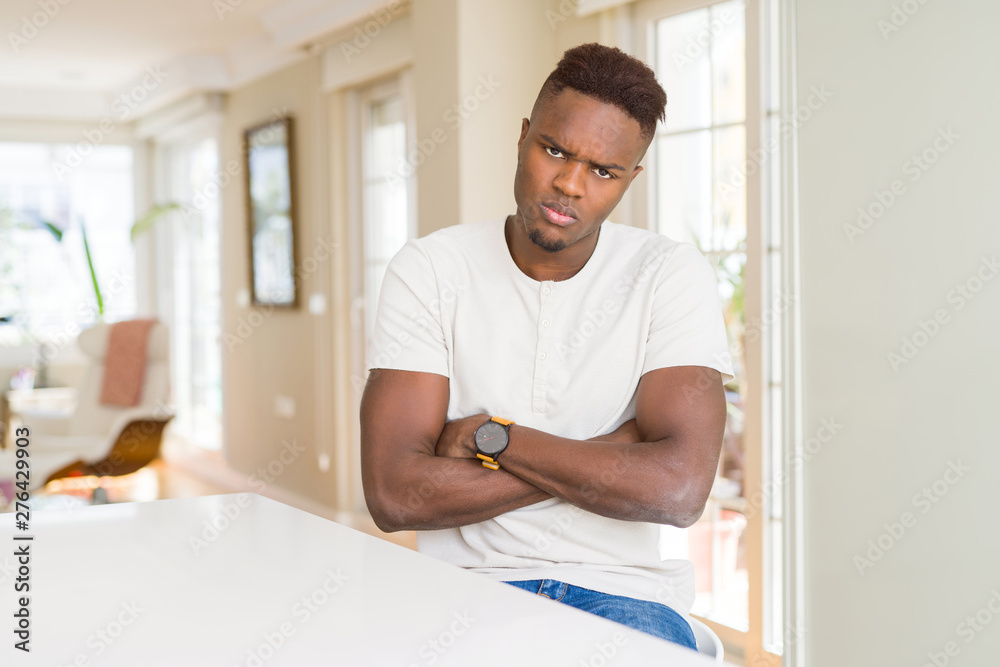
point(557, 214)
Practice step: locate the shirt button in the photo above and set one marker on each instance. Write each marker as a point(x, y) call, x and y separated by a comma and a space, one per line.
point(546, 290)
point(541, 355)
point(545, 323)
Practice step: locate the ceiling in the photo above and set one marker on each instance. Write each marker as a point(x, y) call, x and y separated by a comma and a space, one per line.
point(72, 59)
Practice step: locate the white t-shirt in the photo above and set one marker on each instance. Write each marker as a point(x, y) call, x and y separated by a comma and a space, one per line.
point(562, 357)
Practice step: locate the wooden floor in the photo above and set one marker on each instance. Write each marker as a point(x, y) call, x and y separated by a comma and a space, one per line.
point(158, 480)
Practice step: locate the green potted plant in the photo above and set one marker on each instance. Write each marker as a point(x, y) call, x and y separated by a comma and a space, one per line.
point(147, 221)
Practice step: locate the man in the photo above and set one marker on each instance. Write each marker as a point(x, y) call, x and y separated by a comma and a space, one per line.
point(603, 344)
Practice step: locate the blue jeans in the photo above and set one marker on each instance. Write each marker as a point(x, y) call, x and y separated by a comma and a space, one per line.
point(652, 618)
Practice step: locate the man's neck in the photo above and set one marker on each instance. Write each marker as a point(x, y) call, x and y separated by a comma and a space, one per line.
point(541, 265)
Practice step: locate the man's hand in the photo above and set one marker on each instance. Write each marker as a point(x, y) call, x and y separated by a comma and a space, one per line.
point(458, 439)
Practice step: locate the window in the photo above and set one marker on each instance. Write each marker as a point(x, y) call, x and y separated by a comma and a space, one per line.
point(189, 292)
point(699, 60)
point(45, 285)
point(712, 184)
point(386, 221)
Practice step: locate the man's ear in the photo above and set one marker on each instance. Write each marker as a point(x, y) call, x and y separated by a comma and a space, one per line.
point(635, 172)
point(524, 132)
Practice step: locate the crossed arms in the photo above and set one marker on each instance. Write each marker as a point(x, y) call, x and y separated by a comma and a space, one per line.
point(419, 471)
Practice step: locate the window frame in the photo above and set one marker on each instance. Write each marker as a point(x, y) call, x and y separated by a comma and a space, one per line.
point(358, 100)
point(769, 25)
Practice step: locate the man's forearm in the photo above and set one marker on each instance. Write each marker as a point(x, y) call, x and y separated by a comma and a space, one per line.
point(638, 481)
point(434, 492)
point(442, 494)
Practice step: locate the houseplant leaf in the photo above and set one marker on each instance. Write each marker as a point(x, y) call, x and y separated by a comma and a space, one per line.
point(93, 275)
point(56, 232)
point(150, 218)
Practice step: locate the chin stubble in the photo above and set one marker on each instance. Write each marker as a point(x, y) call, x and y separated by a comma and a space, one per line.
point(539, 240)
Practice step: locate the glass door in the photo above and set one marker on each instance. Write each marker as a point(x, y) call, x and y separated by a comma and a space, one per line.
point(189, 295)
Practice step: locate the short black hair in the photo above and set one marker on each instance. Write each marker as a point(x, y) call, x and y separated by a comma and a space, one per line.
point(612, 76)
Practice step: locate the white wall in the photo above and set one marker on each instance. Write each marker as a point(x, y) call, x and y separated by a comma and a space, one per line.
point(902, 427)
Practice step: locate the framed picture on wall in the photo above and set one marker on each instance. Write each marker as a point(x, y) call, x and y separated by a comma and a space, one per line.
point(270, 186)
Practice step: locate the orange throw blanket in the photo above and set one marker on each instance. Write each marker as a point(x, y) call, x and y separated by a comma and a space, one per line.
point(125, 362)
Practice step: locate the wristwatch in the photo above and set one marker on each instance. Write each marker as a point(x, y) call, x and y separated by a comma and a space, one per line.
point(491, 439)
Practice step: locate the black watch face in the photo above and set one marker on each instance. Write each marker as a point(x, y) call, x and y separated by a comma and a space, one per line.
point(491, 438)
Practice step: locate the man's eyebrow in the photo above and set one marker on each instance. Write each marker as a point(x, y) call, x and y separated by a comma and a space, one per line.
point(555, 144)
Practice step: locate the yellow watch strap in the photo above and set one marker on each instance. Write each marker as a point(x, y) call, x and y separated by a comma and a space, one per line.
point(502, 421)
point(488, 462)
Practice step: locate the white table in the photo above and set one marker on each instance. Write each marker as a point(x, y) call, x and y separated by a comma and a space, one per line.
point(140, 584)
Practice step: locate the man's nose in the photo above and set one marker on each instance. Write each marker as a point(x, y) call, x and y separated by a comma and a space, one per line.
point(570, 179)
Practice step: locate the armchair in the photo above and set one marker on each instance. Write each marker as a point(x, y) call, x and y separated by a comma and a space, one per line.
point(94, 438)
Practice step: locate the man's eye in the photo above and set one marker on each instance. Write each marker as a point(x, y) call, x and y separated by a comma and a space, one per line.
point(553, 152)
point(604, 173)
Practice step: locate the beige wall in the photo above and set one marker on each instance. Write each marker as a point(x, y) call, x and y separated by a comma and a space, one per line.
point(435, 82)
point(476, 68)
point(506, 56)
point(901, 428)
point(276, 357)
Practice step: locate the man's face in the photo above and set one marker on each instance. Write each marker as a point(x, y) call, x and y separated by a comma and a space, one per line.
point(576, 158)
